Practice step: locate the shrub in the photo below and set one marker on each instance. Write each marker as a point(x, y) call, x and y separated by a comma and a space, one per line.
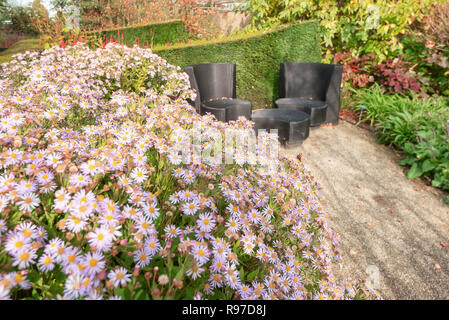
point(419, 127)
point(100, 14)
point(258, 57)
point(198, 20)
point(21, 20)
point(429, 158)
point(95, 204)
point(113, 14)
point(395, 75)
point(151, 34)
point(427, 49)
point(360, 27)
point(356, 71)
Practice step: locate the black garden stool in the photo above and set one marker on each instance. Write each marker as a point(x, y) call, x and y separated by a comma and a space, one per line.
point(215, 85)
point(313, 88)
point(293, 126)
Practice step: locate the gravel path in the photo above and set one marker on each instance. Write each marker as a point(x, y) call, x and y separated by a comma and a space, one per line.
point(384, 219)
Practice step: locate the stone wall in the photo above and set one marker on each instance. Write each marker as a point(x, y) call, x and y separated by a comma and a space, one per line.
point(230, 21)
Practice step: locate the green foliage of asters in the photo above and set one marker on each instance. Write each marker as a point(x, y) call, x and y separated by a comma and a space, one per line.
point(164, 33)
point(257, 56)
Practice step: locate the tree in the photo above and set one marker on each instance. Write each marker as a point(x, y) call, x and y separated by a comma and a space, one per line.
point(21, 20)
point(39, 10)
point(66, 6)
point(3, 11)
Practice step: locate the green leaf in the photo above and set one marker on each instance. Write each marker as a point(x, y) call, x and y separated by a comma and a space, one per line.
point(141, 294)
point(408, 148)
point(407, 161)
point(252, 275)
point(414, 172)
point(187, 264)
point(428, 166)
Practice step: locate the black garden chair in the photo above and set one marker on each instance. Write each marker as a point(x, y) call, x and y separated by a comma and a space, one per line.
point(313, 88)
point(215, 85)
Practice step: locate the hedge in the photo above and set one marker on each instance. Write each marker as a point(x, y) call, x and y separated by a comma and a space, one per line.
point(166, 32)
point(257, 57)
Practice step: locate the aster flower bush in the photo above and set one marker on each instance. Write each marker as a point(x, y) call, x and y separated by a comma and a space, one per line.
point(94, 203)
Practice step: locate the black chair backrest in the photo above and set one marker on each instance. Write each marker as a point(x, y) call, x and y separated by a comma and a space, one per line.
point(305, 80)
point(194, 85)
point(215, 80)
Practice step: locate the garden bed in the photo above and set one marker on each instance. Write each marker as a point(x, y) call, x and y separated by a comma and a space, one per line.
point(97, 204)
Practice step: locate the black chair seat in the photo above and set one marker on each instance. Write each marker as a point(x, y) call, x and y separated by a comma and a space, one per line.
point(292, 125)
point(312, 84)
point(315, 108)
point(215, 85)
point(227, 109)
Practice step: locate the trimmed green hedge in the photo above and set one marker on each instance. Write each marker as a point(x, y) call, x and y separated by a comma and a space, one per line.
point(257, 57)
point(171, 31)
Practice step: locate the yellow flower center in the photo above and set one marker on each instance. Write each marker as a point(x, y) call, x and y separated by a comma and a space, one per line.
point(18, 278)
point(47, 261)
point(24, 256)
point(93, 263)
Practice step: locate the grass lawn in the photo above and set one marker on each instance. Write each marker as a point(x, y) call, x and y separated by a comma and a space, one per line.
point(18, 47)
